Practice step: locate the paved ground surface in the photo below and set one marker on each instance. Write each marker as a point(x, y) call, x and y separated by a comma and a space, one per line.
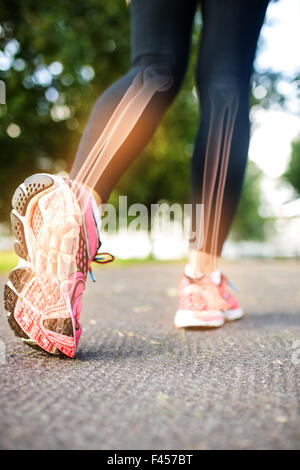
point(138, 383)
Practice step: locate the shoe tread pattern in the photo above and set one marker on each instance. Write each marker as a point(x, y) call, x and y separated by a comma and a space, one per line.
point(20, 276)
point(33, 185)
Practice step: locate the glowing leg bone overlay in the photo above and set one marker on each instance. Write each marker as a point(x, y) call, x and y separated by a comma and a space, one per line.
point(56, 225)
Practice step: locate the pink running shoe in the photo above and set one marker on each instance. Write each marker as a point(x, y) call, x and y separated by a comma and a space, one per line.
point(56, 244)
point(235, 312)
point(200, 304)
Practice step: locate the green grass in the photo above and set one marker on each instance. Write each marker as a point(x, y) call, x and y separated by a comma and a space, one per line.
point(8, 260)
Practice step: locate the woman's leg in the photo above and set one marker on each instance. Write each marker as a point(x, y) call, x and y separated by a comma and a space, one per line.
point(161, 31)
point(230, 32)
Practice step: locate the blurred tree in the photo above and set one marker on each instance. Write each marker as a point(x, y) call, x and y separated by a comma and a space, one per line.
point(55, 60)
point(292, 175)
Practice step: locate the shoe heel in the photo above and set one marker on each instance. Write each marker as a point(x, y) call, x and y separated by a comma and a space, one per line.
point(32, 186)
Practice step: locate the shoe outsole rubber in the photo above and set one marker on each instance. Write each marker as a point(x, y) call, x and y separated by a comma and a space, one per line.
point(25, 200)
point(186, 319)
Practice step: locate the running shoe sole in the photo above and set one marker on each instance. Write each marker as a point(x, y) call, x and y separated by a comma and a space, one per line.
point(46, 221)
point(234, 314)
point(187, 318)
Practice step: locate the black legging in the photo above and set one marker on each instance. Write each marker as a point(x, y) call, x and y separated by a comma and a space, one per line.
point(161, 33)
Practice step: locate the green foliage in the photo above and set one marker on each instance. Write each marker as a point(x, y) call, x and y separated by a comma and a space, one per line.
point(292, 175)
point(90, 40)
point(77, 34)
